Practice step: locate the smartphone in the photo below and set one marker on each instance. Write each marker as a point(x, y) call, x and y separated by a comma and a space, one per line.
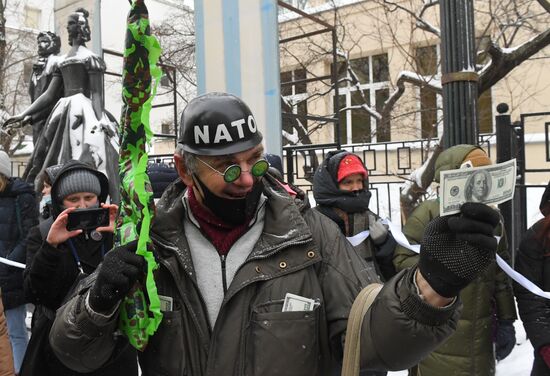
point(88, 219)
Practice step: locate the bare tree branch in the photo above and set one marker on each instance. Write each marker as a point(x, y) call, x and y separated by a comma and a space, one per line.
point(545, 4)
point(504, 61)
point(420, 22)
point(418, 182)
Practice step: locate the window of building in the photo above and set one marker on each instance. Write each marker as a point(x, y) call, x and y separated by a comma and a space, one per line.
point(291, 76)
point(380, 68)
point(166, 128)
point(32, 17)
point(426, 64)
point(300, 4)
point(485, 105)
point(368, 83)
point(383, 133)
point(165, 81)
point(295, 94)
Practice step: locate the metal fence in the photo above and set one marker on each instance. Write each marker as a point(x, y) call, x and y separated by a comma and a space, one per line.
point(533, 168)
point(389, 165)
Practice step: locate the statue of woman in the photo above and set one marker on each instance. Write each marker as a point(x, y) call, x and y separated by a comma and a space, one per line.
point(49, 46)
point(78, 127)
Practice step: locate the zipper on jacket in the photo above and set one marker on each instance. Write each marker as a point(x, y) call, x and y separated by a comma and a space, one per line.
point(224, 279)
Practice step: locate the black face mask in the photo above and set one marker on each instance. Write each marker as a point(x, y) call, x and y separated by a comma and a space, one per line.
point(352, 201)
point(232, 211)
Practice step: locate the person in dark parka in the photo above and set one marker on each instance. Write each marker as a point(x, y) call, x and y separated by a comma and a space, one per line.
point(161, 176)
point(340, 189)
point(485, 331)
point(533, 262)
point(18, 213)
point(57, 259)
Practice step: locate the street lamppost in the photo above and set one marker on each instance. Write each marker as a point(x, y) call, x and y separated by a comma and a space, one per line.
point(459, 77)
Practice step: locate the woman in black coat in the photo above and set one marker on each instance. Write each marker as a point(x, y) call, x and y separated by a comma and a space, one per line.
point(533, 261)
point(58, 258)
point(18, 213)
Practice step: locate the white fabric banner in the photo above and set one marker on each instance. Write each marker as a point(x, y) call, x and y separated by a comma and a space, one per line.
point(402, 240)
point(12, 263)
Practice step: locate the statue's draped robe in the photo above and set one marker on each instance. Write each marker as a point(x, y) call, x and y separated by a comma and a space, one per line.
point(78, 126)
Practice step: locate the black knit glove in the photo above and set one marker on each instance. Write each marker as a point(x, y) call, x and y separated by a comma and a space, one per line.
point(506, 339)
point(456, 249)
point(120, 269)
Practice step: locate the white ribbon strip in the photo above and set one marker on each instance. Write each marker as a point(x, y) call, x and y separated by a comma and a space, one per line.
point(359, 238)
point(521, 279)
point(402, 240)
point(12, 263)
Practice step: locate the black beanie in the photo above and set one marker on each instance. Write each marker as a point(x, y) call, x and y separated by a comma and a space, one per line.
point(75, 181)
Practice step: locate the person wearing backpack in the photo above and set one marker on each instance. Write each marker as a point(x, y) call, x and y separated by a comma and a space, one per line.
point(18, 213)
point(58, 259)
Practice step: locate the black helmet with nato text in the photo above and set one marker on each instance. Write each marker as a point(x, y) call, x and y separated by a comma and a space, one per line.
point(218, 124)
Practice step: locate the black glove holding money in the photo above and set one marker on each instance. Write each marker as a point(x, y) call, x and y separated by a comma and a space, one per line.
point(456, 249)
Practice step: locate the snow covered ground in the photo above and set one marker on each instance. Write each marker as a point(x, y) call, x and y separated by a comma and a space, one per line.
point(518, 363)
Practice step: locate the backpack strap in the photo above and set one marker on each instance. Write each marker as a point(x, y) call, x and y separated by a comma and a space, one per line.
point(352, 347)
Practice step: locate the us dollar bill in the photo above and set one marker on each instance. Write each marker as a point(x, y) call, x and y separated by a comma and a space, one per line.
point(490, 185)
point(295, 303)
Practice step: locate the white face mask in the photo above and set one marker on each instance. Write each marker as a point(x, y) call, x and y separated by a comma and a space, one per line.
point(46, 199)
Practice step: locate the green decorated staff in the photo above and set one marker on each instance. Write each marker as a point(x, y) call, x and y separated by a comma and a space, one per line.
point(140, 311)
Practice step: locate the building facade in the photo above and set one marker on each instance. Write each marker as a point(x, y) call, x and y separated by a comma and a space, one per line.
point(386, 52)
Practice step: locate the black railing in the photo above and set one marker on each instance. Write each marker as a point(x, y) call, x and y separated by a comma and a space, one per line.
point(389, 165)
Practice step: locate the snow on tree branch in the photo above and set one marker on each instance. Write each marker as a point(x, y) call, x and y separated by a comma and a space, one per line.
point(505, 60)
point(418, 182)
point(412, 78)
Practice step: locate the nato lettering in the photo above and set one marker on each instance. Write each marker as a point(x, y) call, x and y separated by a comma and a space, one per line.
point(222, 133)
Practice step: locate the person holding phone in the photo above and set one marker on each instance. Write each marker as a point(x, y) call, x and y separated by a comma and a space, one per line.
point(58, 258)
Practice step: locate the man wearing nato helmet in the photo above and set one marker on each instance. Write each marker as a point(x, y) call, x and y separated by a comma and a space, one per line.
point(232, 244)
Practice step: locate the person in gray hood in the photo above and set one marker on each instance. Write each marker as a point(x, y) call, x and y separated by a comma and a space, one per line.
point(237, 254)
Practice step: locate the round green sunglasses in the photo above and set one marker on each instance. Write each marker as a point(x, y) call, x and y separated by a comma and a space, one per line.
point(233, 172)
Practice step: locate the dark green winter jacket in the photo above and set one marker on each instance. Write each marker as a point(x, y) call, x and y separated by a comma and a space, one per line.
point(469, 351)
point(299, 251)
